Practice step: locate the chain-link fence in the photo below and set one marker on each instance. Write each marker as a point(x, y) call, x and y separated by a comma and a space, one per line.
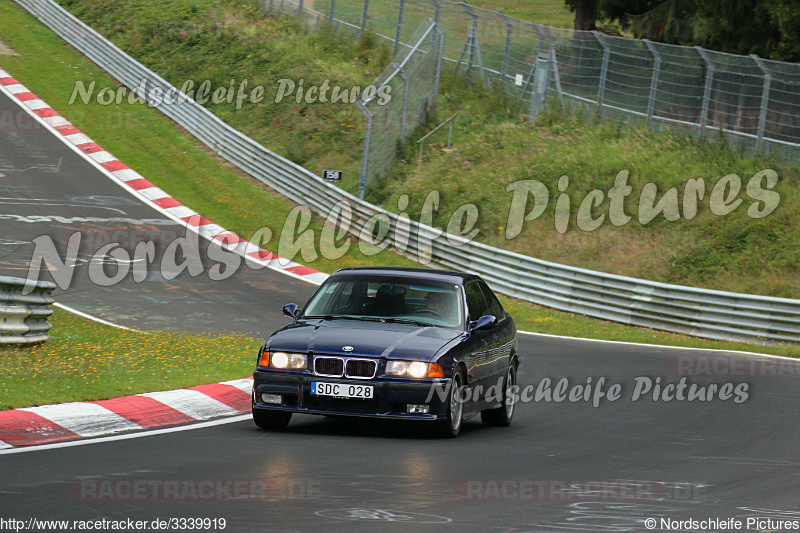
point(405, 97)
point(750, 101)
point(746, 100)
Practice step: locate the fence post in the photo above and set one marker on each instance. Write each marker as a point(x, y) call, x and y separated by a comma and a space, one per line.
point(541, 85)
point(364, 16)
point(399, 26)
point(439, 50)
point(532, 72)
point(331, 12)
point(362, 182)
point(651, 103)
point(509, 29)
point(407, 81)
point(436, 9)
point(554, 61)
point(762, 117)
point(472, 41)
point(707, 90)
point(601, 90)
point(300, 10)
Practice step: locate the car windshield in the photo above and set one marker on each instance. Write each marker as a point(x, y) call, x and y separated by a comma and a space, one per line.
point(389, 299)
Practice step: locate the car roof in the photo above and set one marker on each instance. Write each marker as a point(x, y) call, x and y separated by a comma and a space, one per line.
point(410, 272)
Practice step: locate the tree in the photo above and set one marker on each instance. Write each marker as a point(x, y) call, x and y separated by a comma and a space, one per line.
point(735, 26)
point(785, 15)
point(585, 13)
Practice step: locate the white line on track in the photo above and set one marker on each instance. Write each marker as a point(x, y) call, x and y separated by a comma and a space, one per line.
point(668, 346)
point(96, 319)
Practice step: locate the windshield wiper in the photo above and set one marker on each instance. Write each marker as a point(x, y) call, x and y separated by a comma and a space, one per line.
point(394, 320)
point(343, 317)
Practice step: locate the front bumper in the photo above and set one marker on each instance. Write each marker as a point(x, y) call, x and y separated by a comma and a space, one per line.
point(390, 396)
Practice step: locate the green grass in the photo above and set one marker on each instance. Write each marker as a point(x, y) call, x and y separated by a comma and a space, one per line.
point(488, 132)
point(152, 144)
point(547, 12)
point(85, 360)
point(731, 252)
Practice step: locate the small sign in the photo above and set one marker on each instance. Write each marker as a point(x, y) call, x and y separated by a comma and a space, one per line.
point(332, 175)
point(518, 80)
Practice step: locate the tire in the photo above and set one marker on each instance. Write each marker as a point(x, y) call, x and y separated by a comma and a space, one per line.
point(450, 427)
point(501, 417)
point(275, 420)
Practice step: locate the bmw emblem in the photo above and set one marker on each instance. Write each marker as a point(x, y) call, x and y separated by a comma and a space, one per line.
point(347, 348)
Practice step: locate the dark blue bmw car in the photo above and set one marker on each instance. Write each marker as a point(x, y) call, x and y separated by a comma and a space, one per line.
point(400, 343)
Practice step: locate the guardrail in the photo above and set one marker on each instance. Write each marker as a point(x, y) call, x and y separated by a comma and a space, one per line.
point(23, 317)
point(693, 311)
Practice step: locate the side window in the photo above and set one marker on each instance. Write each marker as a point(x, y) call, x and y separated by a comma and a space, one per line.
point(494, 305)
point(475, 301)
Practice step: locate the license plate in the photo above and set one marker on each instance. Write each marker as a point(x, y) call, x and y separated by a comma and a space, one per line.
point(341, 390)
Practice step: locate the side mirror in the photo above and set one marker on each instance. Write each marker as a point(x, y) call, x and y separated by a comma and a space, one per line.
point(291, 310)
point(484, 322)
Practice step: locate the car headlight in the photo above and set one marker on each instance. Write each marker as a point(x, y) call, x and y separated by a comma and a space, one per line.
point(295, 361)
point(414, 369)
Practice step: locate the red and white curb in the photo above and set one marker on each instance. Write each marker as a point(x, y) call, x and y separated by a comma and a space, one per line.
point(122, 174)
point(52, 423)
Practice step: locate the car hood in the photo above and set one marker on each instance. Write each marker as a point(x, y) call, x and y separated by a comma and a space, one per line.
point(367, 339)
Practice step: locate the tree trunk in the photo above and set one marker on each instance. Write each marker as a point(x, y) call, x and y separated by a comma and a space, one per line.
point(586, 15)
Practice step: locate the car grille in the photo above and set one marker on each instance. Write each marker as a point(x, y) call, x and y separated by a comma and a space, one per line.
point(360, 368)
point(328, 366)
point(350, 368)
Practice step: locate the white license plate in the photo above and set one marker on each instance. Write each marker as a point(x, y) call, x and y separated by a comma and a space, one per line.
point(341, 390)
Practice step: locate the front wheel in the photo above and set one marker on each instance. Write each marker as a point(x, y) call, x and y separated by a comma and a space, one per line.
point(271, 419)
point(502, 415)
point(451, 426)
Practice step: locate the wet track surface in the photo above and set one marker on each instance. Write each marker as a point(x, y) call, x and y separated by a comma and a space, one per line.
point(49, 190)
point(561, 466)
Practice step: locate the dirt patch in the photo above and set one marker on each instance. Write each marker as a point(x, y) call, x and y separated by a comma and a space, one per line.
point(6, 50)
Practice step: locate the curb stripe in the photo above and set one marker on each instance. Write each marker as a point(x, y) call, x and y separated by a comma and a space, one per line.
point(231, 396)
point(84, 419)
point(145, 411)
point(53, 423)
point(192, 403)
point(49, 423)
point(26, 428)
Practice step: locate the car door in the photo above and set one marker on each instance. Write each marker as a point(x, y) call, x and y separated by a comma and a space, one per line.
point(481, 362)
point(504, 333)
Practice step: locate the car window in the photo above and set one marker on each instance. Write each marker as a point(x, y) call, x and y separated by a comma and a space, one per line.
point(494, 305)
point(475, 301)
point(387, 298)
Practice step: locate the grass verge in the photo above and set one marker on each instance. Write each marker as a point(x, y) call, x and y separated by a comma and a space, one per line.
point(85, 360)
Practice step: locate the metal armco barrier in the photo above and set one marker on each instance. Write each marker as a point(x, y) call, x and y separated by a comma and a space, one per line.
point(700, 312)
point(23, 318)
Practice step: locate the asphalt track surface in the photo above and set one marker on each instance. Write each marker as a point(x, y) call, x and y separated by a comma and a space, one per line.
point(561, 466)
point(49, 190)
